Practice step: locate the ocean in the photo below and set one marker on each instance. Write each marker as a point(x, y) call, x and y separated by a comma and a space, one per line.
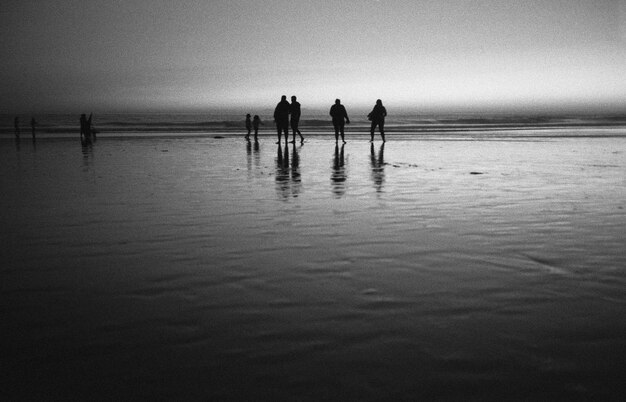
point(471, 259)
point(462, 125)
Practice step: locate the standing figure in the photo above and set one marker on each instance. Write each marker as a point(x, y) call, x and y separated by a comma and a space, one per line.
point(295, 119)
point(281, 117)
point(377, 117)
point(248, 126)
point(16, 125)
point(255, 123)
point(83, 127)
point(340, 119)
point(33, 123)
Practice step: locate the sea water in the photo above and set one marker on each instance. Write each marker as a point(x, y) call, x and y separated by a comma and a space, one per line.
point(199, 268)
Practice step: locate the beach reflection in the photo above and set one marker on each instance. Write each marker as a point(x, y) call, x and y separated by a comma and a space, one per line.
point(296, 179)
point(378, 167)
point(249, 157)
point(87, 151)
point(257, 155)
point(338, 175)
point(288, 180)
point(253, 158)
point(276, 293)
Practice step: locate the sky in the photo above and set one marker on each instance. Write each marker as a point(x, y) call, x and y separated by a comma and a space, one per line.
point(156, 55)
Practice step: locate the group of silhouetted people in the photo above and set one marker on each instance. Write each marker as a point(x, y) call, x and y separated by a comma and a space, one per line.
point(87, 132)
point(288, 115)
point(254, 123)
point(16, 125)
point(340, 119)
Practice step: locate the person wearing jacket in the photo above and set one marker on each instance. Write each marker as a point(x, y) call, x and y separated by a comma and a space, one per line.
point(340, 119)
point(377, 117)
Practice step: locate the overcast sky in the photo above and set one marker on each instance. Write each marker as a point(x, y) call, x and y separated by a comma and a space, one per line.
point(120, 55)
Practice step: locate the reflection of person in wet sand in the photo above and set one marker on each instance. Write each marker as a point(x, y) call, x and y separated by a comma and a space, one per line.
point(377, 117)
point(257, 155)
point(253, 158)
point(249, 156)
point(295, 119)
point(281, 117)
point(338, 175)
point(295, 172)
point(340, 119)
point(378, 167)
point(288, 178)
point(282, 171)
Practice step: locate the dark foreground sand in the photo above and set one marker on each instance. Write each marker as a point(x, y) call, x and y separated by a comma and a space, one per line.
point(209, 269)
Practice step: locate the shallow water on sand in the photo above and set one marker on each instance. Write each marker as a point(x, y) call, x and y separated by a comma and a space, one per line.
point(202, 268)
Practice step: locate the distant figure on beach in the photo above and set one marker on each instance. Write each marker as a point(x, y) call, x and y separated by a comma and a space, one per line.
point(281, 118)
point(377, 117)
point(248, 126)
point(85, 128)
point(340, 119)
point(83, 124)
point(33, 123)
point(256, 121)
point(16, 125)
point(295, 119)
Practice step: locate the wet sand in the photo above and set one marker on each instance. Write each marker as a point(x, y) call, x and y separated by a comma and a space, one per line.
point(202, 268)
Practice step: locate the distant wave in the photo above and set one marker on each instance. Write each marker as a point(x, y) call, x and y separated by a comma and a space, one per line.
point(173, 124)
point(199, 124)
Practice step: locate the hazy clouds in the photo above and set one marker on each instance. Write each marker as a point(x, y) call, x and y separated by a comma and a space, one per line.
point(201, 54)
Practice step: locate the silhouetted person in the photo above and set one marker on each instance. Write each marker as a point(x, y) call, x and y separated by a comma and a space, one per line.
point(377, 117)
point(33, 123)
point(248, 126)
point(281, 117)
point(378, 167)
point(85, 128)
point(295, 119)
point(16, 125)
point(255, 123)
point(338, 176)
point(340, 119)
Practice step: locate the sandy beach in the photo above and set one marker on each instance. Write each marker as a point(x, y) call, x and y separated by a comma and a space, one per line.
point(199, 268)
